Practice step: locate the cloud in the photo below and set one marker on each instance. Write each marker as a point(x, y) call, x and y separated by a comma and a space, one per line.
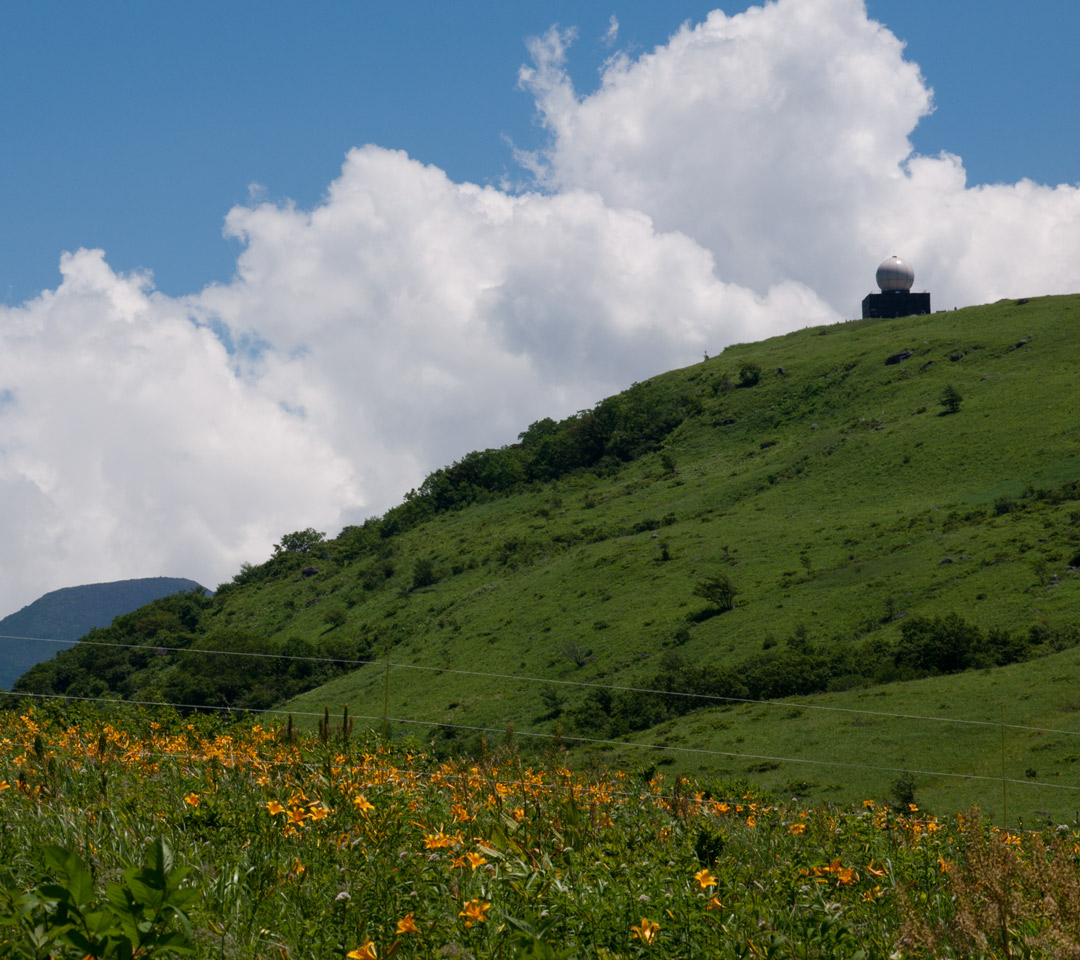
point(129, 446)
point(612, 32)
point(743, 179)
point(413, 318)
point(778, 140)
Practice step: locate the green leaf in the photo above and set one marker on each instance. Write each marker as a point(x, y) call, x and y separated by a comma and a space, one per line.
point(160, 858)
point(176, 942)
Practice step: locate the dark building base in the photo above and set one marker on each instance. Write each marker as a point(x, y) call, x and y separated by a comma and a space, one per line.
point(896, 303)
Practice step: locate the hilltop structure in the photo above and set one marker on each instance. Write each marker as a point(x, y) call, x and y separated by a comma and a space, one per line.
point(895, 278)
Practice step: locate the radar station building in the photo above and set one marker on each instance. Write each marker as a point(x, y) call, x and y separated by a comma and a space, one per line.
point(895, 278)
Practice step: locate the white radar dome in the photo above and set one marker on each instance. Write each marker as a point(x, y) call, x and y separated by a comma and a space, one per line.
point(895, 274)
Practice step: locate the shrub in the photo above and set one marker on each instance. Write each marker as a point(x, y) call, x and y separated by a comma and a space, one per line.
point(718, 590)
point(423, 573)
point(334, 617)
point(950, 399)
point(749, 374)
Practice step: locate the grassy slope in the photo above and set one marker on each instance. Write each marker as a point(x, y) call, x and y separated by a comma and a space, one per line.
point(830, 494)
point(837, 486)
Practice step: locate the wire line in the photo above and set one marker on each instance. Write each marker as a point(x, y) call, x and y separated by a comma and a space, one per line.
point(573, 683)
point(701, 751)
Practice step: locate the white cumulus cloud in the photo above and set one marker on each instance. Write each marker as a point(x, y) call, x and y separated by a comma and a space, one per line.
point(741, 180)
point(130, 446)
point(413, 318)
point(778, 139)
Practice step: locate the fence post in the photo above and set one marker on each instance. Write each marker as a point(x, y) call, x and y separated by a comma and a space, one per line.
point(1004, 798)
point(386, 693)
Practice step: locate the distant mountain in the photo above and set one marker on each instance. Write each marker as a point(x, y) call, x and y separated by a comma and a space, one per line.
point(69, 614)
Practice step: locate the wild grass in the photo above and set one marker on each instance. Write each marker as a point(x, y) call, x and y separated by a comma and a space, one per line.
point(284, 844)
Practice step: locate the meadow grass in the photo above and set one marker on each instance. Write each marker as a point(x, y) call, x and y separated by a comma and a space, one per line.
point(342, 845)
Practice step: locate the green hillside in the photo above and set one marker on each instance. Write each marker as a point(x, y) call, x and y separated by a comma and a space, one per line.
point(893, 506)
point(67, 614)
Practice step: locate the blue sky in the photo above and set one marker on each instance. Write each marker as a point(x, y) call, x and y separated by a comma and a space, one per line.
point(135, 126)
point(430, 224)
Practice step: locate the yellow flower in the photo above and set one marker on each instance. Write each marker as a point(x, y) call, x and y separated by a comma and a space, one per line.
point(318, 812)
point(274, 808)
point(362, 804)
point(797, 828)
point(474, 911)
point(366, 951)
point(705, 878)
point(714, 904)
point(645, 932)
point(192, 799)
point(475, 860)
point(407, 924)
point(297, 815)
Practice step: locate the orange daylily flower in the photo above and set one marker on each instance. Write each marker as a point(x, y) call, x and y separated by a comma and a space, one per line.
point(365, 951)
point(474, 911)
point(407, 924)
point(274, 808)
point(645, 931)
point(705, 878)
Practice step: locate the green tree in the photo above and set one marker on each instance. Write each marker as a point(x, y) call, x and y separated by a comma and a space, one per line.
point(423, 573)
point(950, 399)
point(302, 541)
point(718, 590)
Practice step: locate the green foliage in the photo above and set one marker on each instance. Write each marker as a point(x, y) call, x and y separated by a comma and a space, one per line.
point(718, 590)
point(423, 573)
point(903, 792)
point(71, 613)
point(950, 398)
point(617, 430)
point(749, 374)
point(301, 541)
point(64, 916)
point(927, 647)
point(335, 616)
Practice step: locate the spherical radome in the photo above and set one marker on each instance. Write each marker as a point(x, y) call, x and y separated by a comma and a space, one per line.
point(895, 274)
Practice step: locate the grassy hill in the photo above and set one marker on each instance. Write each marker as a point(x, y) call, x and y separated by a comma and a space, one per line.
point(889, 555)
point(68, 614)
